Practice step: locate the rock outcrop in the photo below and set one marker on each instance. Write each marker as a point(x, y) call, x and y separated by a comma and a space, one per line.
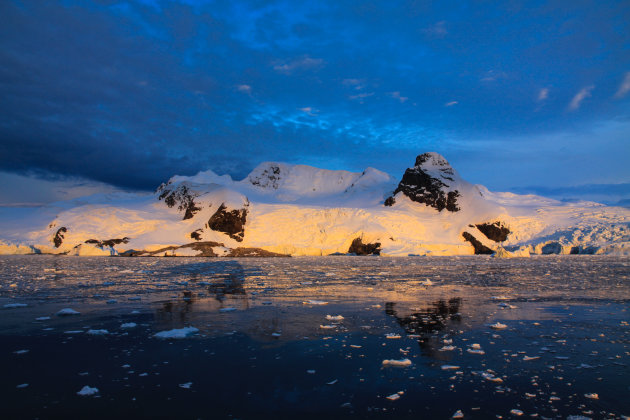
point(359, 248)
point(59, 236)
point(230, 222)
point(182, 197)
point(108, 242)
point(494, 231)
point(431, 182)
point(480, 249)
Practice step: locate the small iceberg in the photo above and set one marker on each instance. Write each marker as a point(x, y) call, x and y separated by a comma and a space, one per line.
point(177, 333)
point(68, 312)
point(397, 363)
point(86, 391)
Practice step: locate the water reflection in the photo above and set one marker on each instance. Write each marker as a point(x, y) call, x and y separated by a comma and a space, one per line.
point(426, 323)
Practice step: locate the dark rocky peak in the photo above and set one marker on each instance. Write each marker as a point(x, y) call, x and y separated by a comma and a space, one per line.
point(181, 196)
point(432, 181)
point(268, 177)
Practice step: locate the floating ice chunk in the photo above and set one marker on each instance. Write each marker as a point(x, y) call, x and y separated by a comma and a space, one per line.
point(177, 333)
point(334, 381)
point(276, 334)
point(20, 386)
point(97, 332)
point(355, 346)
point(528, 358)
point(426, 282)
point(186, 385)
point(128, 325)
point(15, 305)
point(498, 326)
point(392, 336)
point(500, 297)
point(592, 396)
point(42, 318)
point(516, 412)
point(21, 351)
point(311, 371)
point(327, 327)
point(397, 363)
point(334, 317)
point(447, 348)
point(504, 305)
point(449, 367)
point(528, 395)
point(86, 391)
point(579, 417)
point(68, 312)
point(315, 302)
point(475, 346)
point(448, 341)
point(476, 351)
point(393, 397)
point(490, 377)
point(458, 415)
point(585, 366)
point(230, 309)
point(73, 332)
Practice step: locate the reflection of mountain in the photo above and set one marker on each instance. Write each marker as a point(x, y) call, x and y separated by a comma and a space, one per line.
point(426, 323)
point(224, 287)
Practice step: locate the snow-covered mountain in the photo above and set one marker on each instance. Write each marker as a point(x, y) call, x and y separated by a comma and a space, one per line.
point(302, 210)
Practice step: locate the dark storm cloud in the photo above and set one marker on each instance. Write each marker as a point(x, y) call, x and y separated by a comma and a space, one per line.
point(130, 93)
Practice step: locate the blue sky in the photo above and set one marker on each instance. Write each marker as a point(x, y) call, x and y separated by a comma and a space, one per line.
point(513, 94)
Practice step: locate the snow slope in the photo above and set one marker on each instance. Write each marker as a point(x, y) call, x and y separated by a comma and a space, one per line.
point(302, 210)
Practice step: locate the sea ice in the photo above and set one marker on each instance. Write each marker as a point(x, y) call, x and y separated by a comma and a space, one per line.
point(334, 317)
point(498, 326)
point(397, 363)
point(516, 412)
point(592, 396)
point(21, 351)
point(20, 386)
point(87, 391)
point(97, 332)
point(315, 302)
point(227, 309)
point(186, 385)
point(177, 333)
point(68, 312)
point(449, 367)
point(393, 397)
point(458, 415)
point(42, 318)
point(127, 325)
point(15, 305)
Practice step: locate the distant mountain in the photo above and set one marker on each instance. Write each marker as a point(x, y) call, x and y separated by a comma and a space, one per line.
point(282, 209)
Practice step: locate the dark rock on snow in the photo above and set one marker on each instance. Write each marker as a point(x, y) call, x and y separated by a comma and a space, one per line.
point(494, 231)
point(108, 242)
point(231, 222)
point(480, 249)
point(181, 197)
point(419, 186)
point(58, 238)
point(359, 248)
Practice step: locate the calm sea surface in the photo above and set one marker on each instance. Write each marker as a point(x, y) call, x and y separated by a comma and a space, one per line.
point(360, 337)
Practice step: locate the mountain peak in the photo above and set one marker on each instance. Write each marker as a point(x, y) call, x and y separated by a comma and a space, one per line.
point(432, 181)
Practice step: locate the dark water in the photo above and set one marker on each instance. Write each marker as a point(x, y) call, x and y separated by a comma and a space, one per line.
point(262, 352)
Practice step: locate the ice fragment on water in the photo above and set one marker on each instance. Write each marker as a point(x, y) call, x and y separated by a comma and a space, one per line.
point(87, 391)
point(15, 305)
point(398, 363)
point(393, 397)
point(68, 312)
point(392, 335)
point(449, 367)
point(498, 326)
point(458, 415)
point(20, 386)
point(315, 302)
point(186, 385)
point(21, 351)
point(516, 412)
point(177, 333)
point(334, 317)
point(528, 358)
point(592, 396)
point(42, 318)
point(230, 309)
point(127, 325)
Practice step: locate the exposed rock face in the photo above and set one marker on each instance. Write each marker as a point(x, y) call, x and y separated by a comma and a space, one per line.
point(253, 252)
point(58, 238)
point(196, 235)
point(429, 182)
point(494, 231)
point(480, 249)
point(108, 242)
point(269, 178)
point(230, 222)
point(182, 197)
point(359, 248)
